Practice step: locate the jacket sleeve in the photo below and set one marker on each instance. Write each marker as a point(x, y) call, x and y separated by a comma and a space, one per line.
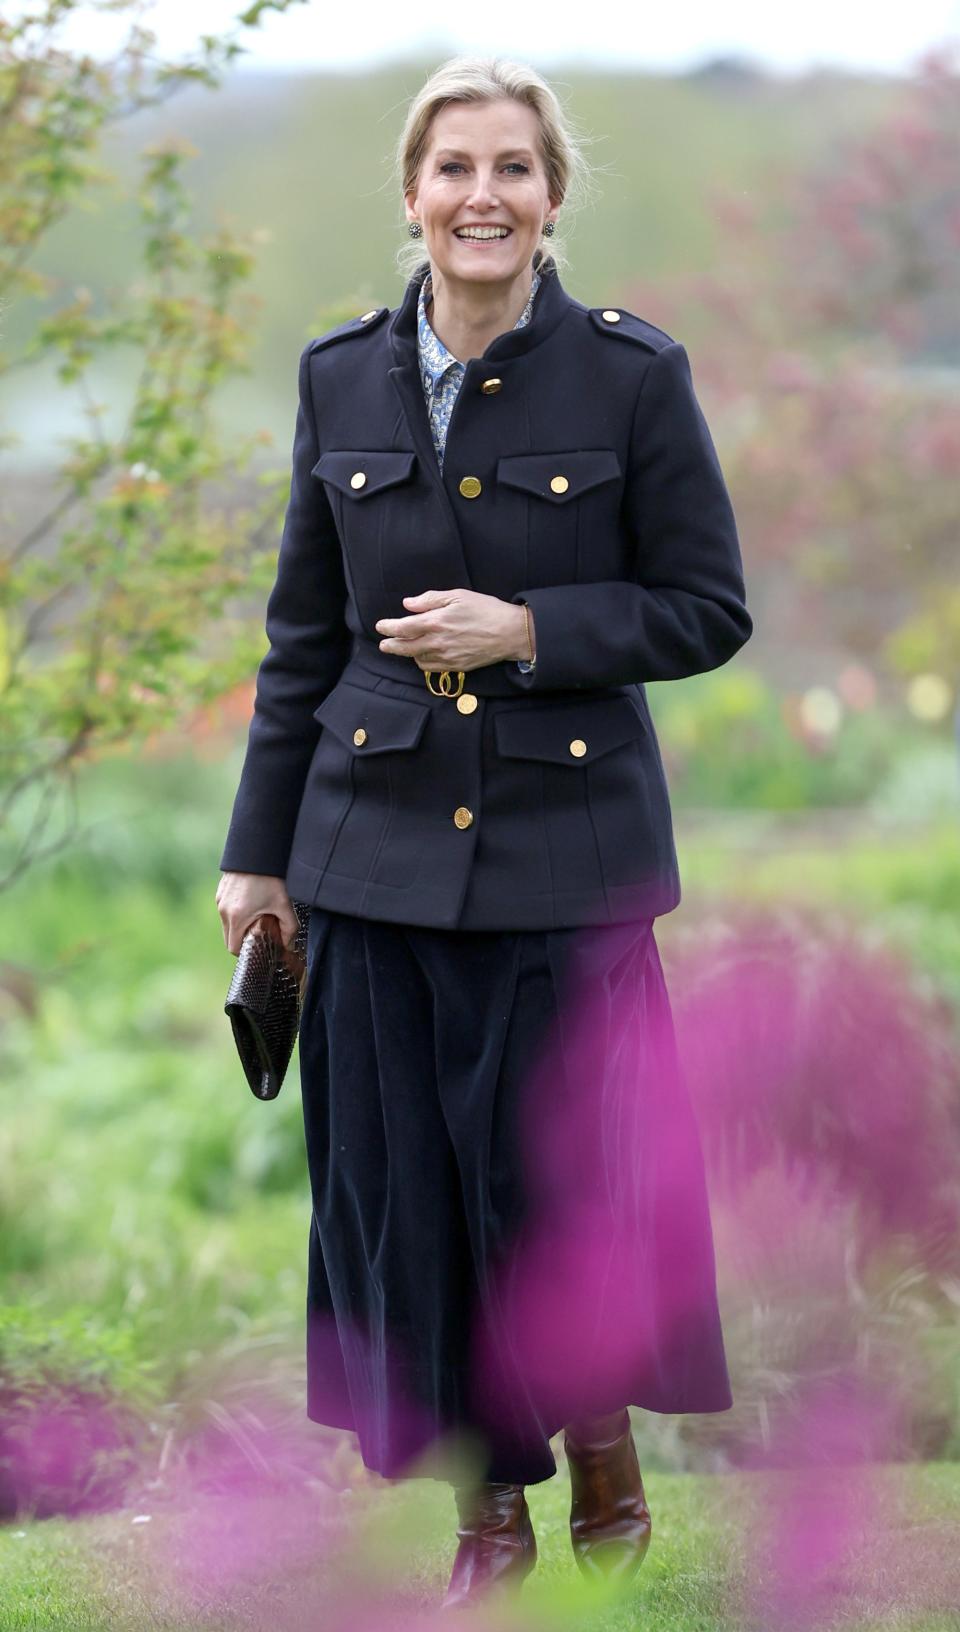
point(309, 647)
point(683, 610)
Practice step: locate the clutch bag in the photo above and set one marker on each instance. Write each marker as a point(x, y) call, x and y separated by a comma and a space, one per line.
point(265, 1000)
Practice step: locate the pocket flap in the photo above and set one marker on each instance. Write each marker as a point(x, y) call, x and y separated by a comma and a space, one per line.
point(369, 722)
point(573, 734)
point(343, 469)
point(558, 477)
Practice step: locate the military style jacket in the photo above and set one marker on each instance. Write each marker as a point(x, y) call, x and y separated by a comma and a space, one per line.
point(579, 476)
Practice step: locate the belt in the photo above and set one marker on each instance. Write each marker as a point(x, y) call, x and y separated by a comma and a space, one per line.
point(490, 681)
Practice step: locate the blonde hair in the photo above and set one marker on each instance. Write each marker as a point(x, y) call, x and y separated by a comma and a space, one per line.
point(491, 79)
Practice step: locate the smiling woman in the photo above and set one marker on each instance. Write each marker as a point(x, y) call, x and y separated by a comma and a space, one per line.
point(506, 514)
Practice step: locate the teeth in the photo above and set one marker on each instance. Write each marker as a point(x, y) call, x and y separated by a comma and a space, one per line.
point(481, 232)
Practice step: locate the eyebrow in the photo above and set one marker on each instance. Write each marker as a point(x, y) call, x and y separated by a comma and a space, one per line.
point(458, 153)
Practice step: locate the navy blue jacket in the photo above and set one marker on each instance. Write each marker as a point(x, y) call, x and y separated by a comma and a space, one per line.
point(533, 801)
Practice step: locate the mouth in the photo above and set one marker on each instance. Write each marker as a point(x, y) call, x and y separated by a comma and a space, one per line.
point(482, 235)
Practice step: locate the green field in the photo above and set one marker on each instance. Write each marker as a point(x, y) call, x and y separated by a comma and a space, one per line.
point(702, 1573)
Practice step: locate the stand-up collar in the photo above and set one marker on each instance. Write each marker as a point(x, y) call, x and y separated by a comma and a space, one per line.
point(549, 308)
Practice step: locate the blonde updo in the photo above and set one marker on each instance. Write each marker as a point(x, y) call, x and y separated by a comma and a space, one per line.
point(490, 79)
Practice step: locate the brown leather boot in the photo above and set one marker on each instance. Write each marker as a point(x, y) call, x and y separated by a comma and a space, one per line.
point(609, 1517)
point(497, 1543)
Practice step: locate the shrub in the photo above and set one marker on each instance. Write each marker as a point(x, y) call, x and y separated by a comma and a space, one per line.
point(827, 1084)
point(74, 1419)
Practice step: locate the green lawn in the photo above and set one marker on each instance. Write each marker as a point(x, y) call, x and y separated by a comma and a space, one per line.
point(106, 1572)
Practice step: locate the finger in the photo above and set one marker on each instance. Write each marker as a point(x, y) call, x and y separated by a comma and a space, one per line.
point(404, 628)
point(289, 927)
point(239, 928)
point(428, 598)
point(420, 651)
point(424, 638)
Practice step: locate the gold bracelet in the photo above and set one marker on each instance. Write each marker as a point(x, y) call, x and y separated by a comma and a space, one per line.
point(529, 624)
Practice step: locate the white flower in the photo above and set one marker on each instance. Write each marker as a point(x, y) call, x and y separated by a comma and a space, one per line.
point(821, 710)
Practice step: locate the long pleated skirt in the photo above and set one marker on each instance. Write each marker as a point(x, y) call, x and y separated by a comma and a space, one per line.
point(510, 1222)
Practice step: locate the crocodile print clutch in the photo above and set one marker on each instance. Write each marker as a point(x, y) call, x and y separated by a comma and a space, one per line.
point(265, 998)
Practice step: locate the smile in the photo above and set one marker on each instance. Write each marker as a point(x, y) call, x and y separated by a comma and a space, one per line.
point(482, 234)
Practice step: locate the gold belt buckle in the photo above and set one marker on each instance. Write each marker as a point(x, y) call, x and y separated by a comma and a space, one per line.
point(446, 684)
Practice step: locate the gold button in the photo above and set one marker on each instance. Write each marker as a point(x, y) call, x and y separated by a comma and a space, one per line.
point(471, 486)
point(490, 387)
point(367, 315)
point(578, 747)
point(466, 702)
point(360, 736)
point(358, 479)
point(462, 816)
point(610, 317)
point(558, 484)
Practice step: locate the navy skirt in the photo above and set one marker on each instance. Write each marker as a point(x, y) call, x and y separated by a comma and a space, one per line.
point(510, 1221)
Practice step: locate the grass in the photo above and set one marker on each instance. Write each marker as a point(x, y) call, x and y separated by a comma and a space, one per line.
point(700, 1574)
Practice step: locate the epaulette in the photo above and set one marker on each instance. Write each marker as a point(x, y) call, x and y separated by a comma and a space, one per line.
point(614, 320)
point(354, 325)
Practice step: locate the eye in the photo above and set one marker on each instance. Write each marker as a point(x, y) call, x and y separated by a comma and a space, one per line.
point(451, 164)
point(515, 164)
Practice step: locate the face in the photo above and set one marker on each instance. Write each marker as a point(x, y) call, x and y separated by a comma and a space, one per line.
point(482, 169)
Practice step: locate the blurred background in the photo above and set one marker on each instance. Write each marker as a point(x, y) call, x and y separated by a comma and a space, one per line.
point(186, 197)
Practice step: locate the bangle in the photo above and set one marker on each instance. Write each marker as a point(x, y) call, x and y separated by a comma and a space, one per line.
point(529, 625)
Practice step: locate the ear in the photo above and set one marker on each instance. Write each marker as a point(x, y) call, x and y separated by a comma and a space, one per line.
point(410, 204)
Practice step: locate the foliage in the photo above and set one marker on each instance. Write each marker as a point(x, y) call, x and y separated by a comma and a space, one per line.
point(73, 1406)
point(731, 740)
point(832, 354)
point(107, 597)
point(826, 1076)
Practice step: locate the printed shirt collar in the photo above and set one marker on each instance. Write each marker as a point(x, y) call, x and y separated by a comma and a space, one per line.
point(435, 359)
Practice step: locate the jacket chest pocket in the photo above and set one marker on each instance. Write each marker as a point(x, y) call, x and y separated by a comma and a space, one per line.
point(376, 502)
point(571, 503)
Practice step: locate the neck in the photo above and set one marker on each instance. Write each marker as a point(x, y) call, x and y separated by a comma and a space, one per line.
point(468, 316)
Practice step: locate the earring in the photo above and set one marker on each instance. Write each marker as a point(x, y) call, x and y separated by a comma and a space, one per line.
point(414, 228)
point(549, 228)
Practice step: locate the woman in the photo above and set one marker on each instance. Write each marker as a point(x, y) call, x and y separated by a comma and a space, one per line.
point(506, 514)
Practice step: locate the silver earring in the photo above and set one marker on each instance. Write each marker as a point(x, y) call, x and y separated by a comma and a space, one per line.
point(414, 228)
point(549, 228)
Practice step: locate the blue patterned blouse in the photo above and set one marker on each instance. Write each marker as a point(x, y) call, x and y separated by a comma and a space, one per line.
point(442, 376)
point(441, 372)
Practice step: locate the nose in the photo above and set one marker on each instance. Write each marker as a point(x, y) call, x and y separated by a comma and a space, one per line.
point(483, 193)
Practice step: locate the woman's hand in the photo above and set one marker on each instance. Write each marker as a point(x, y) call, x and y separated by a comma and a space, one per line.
point(242, 897)
point(456, 629)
